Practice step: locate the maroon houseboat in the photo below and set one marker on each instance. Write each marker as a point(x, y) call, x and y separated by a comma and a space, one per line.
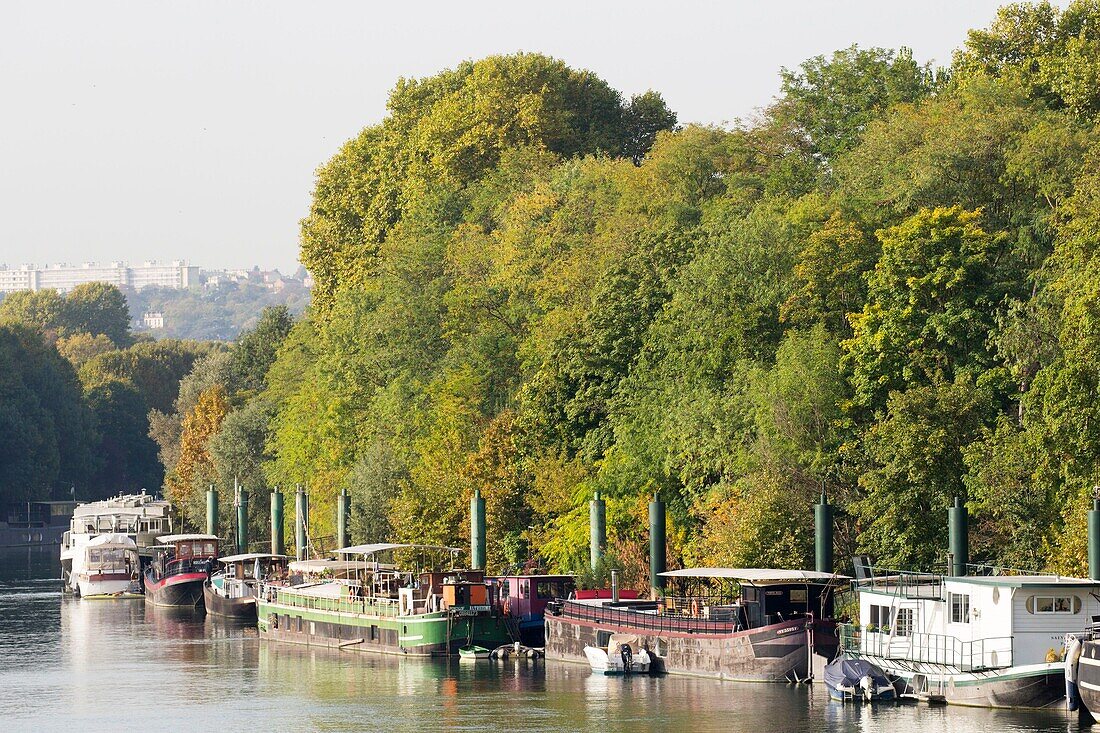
point(751, 624)
point(179, 569)
point(524, 599)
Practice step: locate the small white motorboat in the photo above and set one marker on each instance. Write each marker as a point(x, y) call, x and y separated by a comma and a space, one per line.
point(624, 655)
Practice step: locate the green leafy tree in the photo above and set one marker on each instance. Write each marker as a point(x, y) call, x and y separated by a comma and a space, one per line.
point(830, 101)
point(97, 308)
point(930, 305)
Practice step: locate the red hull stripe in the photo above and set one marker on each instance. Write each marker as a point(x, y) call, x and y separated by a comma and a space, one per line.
point(177, 579)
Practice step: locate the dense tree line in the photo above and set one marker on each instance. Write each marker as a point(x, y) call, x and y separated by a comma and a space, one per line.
point(884, 288)
point(75, 391)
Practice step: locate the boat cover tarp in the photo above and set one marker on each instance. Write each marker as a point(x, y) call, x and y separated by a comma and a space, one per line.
point(848, 673)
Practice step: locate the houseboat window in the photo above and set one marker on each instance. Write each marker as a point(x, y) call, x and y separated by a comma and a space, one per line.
point(1055, 604)
point(880, 616)
point(960, 608)
point(548, 589)
point(904, 625)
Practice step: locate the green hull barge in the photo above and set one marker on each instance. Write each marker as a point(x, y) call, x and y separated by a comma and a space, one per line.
point(372, 606)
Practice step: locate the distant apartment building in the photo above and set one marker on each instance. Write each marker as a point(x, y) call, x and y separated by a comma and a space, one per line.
point(153, 320)
point(178, 275)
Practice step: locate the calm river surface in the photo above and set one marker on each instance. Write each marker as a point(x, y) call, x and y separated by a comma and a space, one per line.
point(117, 665)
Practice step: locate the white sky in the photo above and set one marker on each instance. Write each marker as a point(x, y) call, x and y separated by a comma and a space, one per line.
point(160, 130)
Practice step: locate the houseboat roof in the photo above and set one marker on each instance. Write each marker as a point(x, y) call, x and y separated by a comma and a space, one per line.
point(247, 556)
point(383, 546)
point(168, 539)
point(759, 576)
point(319, 566)
point(119, 540)
point(1024, 581)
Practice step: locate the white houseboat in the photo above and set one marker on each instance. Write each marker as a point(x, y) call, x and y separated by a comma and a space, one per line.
point(107, 566)
point(987, 640)
point(140, 517)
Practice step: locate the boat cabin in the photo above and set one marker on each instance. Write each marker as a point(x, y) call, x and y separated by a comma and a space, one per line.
point(969, 623)
point(525, 596)
point(749, 597)
point(185, 553)
point(241, 574)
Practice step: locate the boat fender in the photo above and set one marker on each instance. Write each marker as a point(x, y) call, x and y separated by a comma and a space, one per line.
point(1072, 659)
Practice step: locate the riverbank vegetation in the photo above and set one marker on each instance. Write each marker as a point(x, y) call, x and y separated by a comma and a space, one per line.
point(883, 288)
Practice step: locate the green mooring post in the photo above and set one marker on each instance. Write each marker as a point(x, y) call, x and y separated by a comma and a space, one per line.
point(477, 531)
point(823, 536)
point(343, 511)
point(301, 521)
point(1094, 540)
point(656, 545)
point(212, 510)
point(276, 522)
point(242, 520)
point(597, 529)
point(958, 538)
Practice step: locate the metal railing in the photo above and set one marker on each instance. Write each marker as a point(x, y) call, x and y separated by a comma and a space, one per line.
point(903, 583)
point(187, 565)
point(344, 604)
point(636, 619)
point(919, 648)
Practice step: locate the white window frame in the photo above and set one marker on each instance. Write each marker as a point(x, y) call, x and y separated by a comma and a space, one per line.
point(905, 619)
point(964, 607)
point(1054, 605)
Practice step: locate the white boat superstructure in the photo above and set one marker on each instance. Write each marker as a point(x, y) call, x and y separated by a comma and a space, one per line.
point(141, 517)
point(106, 566)
point(624, 654)
point(992, 639)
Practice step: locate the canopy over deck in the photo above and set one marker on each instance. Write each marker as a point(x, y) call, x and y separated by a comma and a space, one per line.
point(248, 556)
point(168, 539)
point(757, 576)
point(336, 567)
point(383, 546)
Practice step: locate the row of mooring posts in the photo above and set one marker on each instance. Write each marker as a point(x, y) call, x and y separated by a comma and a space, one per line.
point(301, 519)
point(658, 548)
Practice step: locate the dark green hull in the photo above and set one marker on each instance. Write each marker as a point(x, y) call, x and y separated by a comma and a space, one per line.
point(356, 626)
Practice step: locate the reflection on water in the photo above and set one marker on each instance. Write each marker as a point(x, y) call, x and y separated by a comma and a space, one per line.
point(67, 664)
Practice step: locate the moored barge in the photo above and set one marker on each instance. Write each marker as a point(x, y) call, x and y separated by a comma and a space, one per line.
point(424, 612)
point(989, 638)
point(776, 629)
point(180, 569)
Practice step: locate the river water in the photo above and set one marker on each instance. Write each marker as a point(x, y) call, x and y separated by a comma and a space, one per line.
point(71, 665)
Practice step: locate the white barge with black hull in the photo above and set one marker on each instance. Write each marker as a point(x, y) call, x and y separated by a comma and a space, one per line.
point(750, 624)
point(984, 640)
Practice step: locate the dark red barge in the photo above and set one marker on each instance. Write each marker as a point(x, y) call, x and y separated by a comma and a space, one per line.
point(180, 568)
point(762, 626)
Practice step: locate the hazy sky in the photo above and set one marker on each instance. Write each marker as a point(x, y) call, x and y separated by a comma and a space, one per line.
point(159, 130)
